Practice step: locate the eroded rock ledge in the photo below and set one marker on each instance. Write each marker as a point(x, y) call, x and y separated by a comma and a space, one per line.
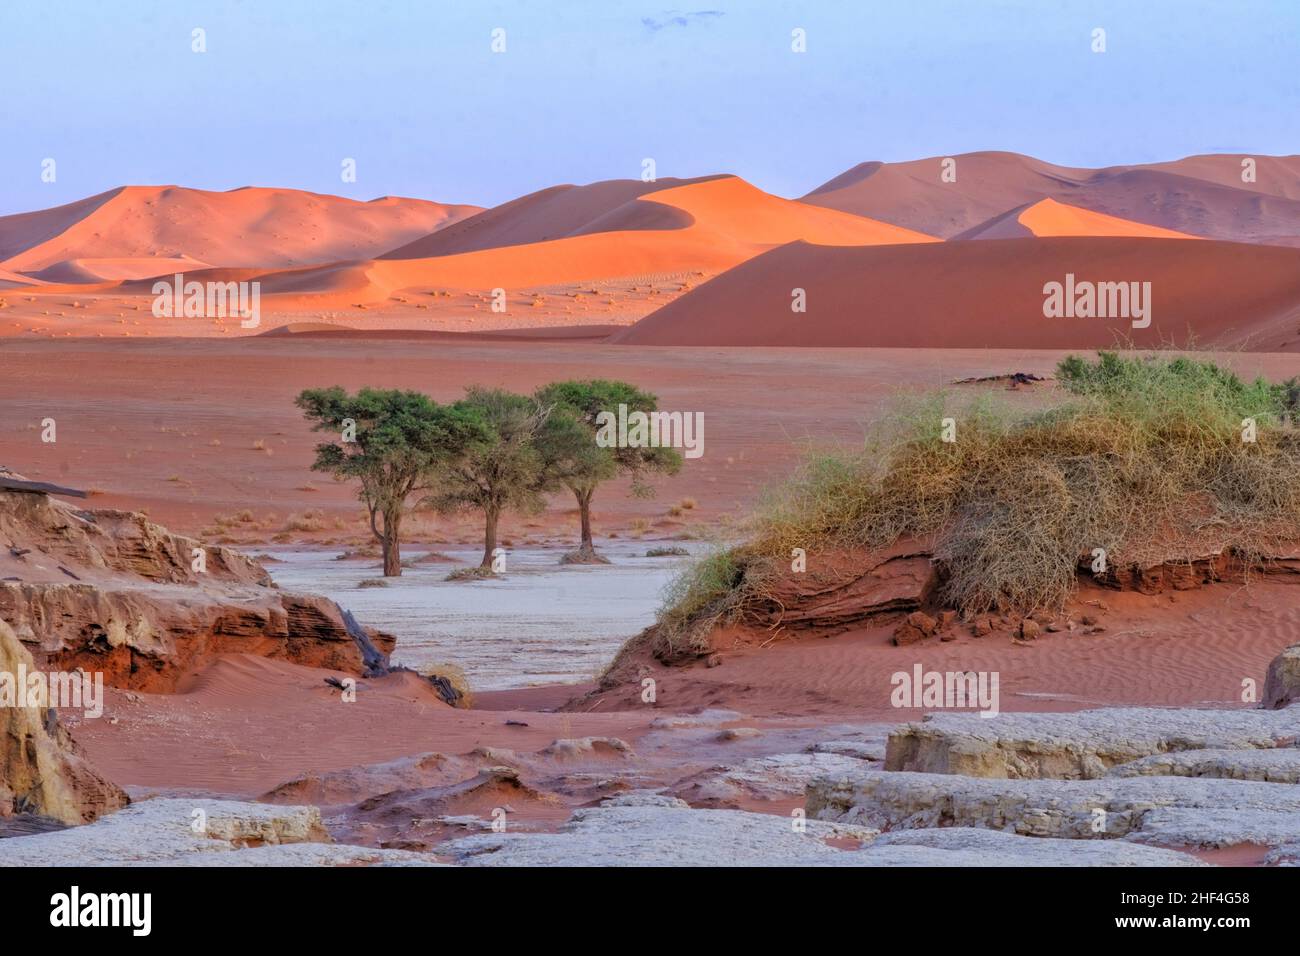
point(1084, 745)
point(42, 771)
point(111, 591)
point(845, 588)
point(199, 832)
point(1177, 778)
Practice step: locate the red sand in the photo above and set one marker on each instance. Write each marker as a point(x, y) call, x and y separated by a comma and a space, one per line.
point(989, 295)
point(196, 428)
point(1191, 650)
point(133, 414)
point(1188, 648)
point(194, 411)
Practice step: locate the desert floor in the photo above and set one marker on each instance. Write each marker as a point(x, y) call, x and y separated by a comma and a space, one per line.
point(198, 431)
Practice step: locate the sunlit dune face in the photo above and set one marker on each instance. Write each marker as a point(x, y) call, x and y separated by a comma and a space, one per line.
point(1051, 218)
point(732, 206)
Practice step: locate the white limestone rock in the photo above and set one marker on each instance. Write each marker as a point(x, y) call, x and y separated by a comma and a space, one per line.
point(705, 718)
point(1082, 745)
point(160, 832)
point(1169, 811)
point(775, 777)
point(1277, 765)
point(664, 836)
point(873, 750)
point(660, 836)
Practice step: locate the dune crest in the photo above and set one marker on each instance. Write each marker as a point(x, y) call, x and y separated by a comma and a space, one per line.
point(1205, 196)
point(251, 226)
point(704, 226)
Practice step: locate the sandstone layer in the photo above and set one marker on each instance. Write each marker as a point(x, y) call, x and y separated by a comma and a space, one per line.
point(42, 771)
point(110, 591)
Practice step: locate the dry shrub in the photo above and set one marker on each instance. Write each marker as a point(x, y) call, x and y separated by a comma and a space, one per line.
point(313, 519)
point(1144, 459)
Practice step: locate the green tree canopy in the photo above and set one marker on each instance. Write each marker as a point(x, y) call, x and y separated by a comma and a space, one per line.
point(394, 443)
point(580, 463)
point(511, 469)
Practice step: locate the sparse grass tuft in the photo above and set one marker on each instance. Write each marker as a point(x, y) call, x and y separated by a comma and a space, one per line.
point(707, 594)
point(313, 519)
point(470, 574)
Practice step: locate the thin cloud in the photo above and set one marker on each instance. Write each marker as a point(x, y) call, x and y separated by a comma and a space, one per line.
point(676, 18)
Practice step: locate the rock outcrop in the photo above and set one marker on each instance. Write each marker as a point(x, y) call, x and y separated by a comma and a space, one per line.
point(756, 779)
point(1282, 683)
point(199, 832)
point(1276, 765)
point(41, 769)
point(112, 592)
point(663, 833)
point(845, 588)
point(1177, 778)
point(1165, 811)
point(839, 588)
point(1084, 745)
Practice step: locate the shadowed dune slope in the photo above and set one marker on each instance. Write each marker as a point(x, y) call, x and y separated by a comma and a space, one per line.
point(1200, 195)
point(988, 294)
point(621, 229)
point(706, 225)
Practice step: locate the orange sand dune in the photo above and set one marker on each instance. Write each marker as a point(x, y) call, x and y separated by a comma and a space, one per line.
point(243, 227)
point(727, 208)
point(1200, 195)
point(1047, 217)
point(988, 295)
point(704, 225)
point(551, 213)
point(82, 271)
point(14, 280)
point(26, 230)
point(614, 230)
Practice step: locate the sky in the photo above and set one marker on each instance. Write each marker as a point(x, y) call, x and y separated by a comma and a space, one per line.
point(588, 89)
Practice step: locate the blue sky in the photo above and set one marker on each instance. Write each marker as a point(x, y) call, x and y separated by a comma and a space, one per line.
point(588, 88)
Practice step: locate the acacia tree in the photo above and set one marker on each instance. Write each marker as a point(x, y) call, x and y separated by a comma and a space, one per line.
point(509, 470)
point(394, 443)
point(583, 467)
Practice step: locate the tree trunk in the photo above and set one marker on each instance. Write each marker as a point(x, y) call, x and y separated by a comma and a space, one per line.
point(584, 511)
point(490, 537)
point(392, 544)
